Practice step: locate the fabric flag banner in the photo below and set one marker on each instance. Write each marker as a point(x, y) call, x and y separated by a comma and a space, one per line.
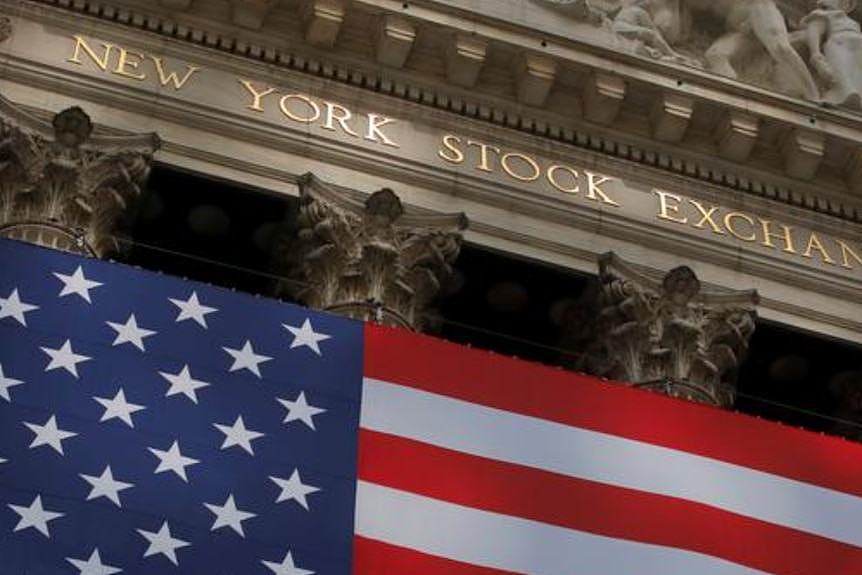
point(151, 425)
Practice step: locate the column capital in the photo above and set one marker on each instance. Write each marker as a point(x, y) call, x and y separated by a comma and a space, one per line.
point(63, 186)
point(369, 257)
point(668, 332)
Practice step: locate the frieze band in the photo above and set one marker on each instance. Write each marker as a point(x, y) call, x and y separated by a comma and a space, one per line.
point(484, 157)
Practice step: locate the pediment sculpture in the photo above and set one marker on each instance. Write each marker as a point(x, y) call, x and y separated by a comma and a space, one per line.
point(817, 57)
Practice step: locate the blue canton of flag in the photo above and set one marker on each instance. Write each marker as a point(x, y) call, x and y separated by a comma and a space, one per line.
point(150, 425)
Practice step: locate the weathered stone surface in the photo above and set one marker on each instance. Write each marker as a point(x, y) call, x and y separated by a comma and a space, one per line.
point(369, 259)
point(744, 39)
point(666, 333)
point(63, 187)
point(5, 28)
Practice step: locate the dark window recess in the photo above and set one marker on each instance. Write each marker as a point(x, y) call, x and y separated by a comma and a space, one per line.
point(207, 230)
point(222, 233)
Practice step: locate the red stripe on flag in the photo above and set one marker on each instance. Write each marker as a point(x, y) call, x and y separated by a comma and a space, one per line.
point(578, 400)
point(372, 557)
point(597, 508)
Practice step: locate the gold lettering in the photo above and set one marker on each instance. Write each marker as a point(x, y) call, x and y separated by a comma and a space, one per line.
point(258, 96)
point(593, 189)
point(552, 171)
point(315, 109)
point(728, 223)
point(706, 216)
point(786, 236)
point(534, 167)
point(81, 44)
point(668, 211)
point(127, 62)
point(173, 78)
point(342, 117)
point(815, 244)
point(848, 251)
point(375, 122)
point(483, 154)
point(454, 154)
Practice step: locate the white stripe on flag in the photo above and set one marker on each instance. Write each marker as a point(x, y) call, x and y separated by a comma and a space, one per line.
point(514, 438)
point(514, 544)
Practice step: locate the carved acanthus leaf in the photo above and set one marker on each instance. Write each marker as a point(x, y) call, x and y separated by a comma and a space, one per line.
point(369, 259)
point(667, 333)
point(62, 186)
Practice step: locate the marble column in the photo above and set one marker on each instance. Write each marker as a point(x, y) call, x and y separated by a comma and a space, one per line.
point(369, 258)
point(63, 187)
point(667, 332)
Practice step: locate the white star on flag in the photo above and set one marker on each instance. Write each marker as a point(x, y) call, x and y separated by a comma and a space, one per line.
point(246, 358)
point(106, 486)
point(305, 336)
point(119, 408)
point(35, 516)
point(49, 434)
point(193, 309)
point(183, 383)
point(163, 543)
point(77, 283)
point(93, 565)
point(130, 332)
point(294, 488)
point(173, 460)
point(6, 383)
point(64, 358)
point(286, 567)
point(13, 307)
point(228, 515)
point(300, 410)
point(238, 435)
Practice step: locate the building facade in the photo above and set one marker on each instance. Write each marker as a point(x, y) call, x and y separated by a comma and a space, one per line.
point(701, 160)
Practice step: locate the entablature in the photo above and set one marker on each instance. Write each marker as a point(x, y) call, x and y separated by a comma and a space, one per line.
point(559, 83)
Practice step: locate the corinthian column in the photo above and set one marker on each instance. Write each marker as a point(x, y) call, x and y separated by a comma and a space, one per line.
point(668, 333)
point(368, 259)
point(63, 187)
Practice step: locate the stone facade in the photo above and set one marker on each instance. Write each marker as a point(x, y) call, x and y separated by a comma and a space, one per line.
point(745, 113)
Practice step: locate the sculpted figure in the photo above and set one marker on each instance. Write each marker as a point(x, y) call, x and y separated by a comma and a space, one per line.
point(835, 44)
point(581, 10)
point(647, 21)
point(749, 24)
point(748, 27)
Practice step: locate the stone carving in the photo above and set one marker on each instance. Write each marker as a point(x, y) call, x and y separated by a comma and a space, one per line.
point(750, 25)
point(5, 28)
point(369, 259)
point(651, 25)
point(668, 334)
point(582, 10)
point(834, 41)
point(63, 187)
point(746, 39)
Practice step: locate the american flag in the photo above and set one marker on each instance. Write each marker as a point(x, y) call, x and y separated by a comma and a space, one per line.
point(150, 425)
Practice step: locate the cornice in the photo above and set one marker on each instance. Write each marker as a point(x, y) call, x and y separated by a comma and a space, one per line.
point(545, 125)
